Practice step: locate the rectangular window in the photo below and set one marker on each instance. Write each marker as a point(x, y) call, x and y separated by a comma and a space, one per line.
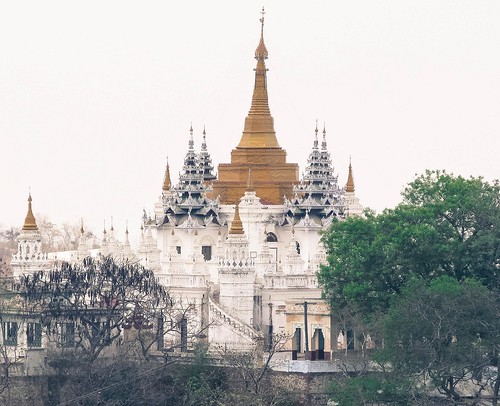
point(68, 334)
point(9, 332)
point(34, 334)
point(178, 249)
point(206, 250)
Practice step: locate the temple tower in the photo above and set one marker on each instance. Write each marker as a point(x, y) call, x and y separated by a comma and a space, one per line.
point(29, 256)
point(258, 149)
point(237, 274)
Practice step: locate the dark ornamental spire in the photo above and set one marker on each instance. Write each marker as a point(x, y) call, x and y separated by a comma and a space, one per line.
point(187, 206)
point(206, 160)
point(318, 194)
point(191, 179)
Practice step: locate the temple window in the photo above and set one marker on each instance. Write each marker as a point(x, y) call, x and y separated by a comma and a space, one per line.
point(271, 237)
point(178, 249)
point(67, 338)
point(9, 332)
point(206, 251)
point(34, 334)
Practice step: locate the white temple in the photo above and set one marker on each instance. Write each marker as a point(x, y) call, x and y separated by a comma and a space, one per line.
point(240, 250)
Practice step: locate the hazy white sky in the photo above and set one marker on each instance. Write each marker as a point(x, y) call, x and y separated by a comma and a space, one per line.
point(94, 95)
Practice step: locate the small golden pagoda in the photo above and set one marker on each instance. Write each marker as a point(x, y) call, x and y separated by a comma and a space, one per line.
point(258, 150)
point(29, 221)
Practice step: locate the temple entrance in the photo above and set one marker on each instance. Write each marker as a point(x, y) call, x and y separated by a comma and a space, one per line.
point(318, 344)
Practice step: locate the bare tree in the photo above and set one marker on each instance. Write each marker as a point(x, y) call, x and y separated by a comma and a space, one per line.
point(172, 325)
point(252, 367)
point(8, 244)
point(9, 328)
point(85, 306)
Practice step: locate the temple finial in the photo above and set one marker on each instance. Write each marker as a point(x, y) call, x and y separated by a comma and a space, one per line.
point(29, 221)
point(350, 179)
point(316, 135)
point(191, 141)
point(258, 131)
point(323, 143)
point(236, 224)
point(166, 179)
point(204, 143)
point(82, 231)
point(262, 22)
point(261, 51)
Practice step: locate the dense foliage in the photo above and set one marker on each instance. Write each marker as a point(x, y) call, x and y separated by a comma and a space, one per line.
point(425, 278)
point(445, 225)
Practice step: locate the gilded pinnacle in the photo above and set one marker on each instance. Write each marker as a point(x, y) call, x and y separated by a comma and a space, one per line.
point(258, 131)
point(350, 180)
point(236, 225)
point(166, 180)
point(29, 221)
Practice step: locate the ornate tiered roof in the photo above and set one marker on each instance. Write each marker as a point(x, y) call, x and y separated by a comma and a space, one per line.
point(317, 198)
point(206, 160)
point(187, 206)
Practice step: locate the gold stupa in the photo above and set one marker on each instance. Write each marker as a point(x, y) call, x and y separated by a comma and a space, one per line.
point(29, 221)
point(258, 150)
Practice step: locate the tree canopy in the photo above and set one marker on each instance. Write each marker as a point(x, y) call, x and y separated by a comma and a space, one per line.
point(445, 332)
point(445, 225)
point(426, 277)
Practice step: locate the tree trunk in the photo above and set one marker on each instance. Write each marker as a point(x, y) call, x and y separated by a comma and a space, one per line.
point(496, 388)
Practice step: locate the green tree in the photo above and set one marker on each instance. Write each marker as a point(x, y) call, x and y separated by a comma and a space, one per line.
point(442, 334)
point(446, 225)
point(369, 390)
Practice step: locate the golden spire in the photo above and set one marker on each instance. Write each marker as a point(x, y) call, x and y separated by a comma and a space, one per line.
point(29, 221)
point(261, 51)
point(259, 124)
point(350, 180)
point(166, 180)
point(236, 225)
